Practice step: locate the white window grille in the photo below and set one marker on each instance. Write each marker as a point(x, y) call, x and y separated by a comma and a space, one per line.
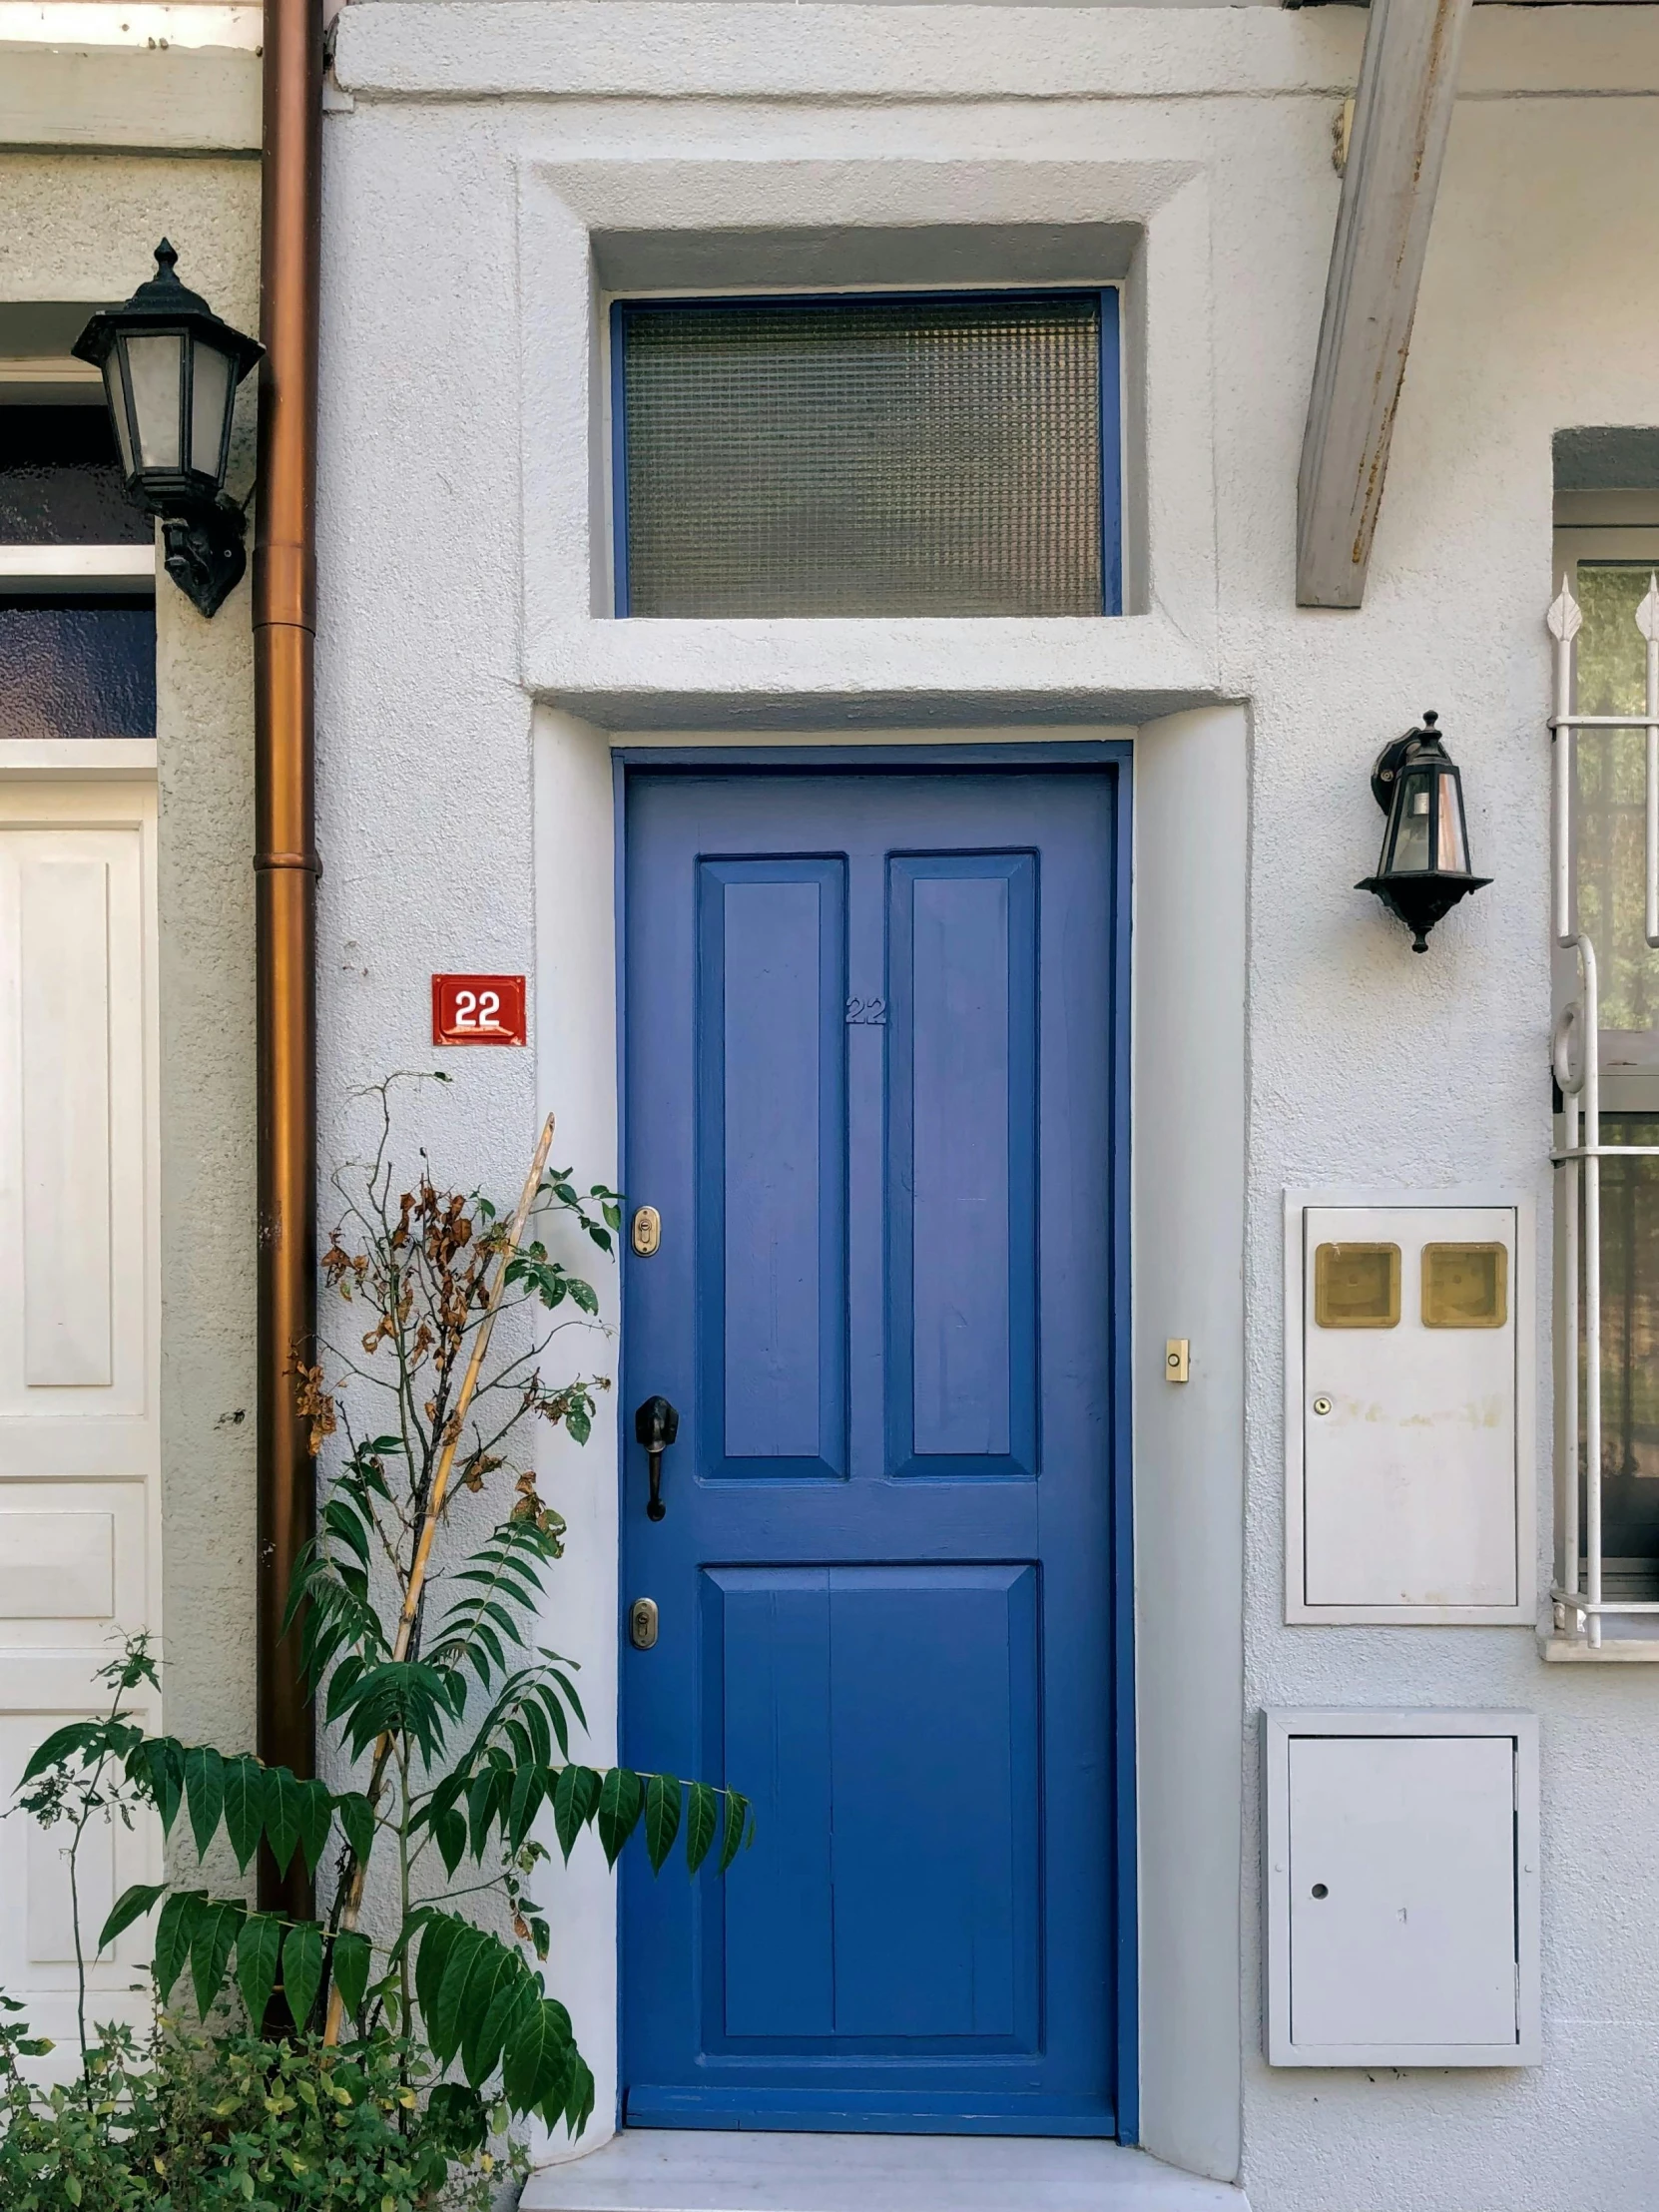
point(1580, 1597)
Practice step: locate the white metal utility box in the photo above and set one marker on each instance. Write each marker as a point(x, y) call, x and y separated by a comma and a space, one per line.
point(1408, 1458)
point(1401, 1853)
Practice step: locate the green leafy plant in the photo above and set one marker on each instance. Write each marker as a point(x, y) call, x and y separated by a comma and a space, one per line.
point(417, 1643)
point(188, 2123)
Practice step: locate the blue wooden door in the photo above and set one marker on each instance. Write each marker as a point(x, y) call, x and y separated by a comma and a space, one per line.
point(871, 1022)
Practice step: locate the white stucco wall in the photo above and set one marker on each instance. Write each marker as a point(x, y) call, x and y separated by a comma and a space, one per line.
point(498, 161)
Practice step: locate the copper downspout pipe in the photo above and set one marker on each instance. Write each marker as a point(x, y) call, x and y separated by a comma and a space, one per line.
point(285, 871)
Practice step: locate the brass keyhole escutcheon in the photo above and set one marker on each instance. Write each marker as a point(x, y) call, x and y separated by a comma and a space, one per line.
point(646, 1232)
point(1322, 1406)
point(641, 1623)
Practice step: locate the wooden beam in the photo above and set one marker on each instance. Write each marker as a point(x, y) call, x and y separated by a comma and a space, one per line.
point(1402, 117)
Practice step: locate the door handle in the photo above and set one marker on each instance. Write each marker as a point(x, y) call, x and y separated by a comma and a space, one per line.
point(656, 1424)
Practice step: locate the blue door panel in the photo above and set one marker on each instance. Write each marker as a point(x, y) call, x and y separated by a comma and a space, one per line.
point(935, 1710)
point(961, 1009)
point(873, 1020)
point(770, 1165)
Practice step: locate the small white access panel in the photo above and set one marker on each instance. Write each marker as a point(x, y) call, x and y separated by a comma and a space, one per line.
point(1402, 1891)
point(1409, 1478)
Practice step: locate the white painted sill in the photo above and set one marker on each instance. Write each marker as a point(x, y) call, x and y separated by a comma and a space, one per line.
point(36, 760)
point(641, 673)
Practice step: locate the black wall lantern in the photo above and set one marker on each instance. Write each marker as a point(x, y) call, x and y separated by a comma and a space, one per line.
point(171, 371)
point(1423, 868)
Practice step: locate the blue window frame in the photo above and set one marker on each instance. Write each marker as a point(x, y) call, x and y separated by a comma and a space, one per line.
point(869, 454)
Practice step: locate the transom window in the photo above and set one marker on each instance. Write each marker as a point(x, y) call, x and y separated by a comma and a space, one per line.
point(867, 456)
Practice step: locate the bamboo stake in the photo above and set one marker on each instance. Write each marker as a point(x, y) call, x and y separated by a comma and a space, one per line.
point(428, 1529)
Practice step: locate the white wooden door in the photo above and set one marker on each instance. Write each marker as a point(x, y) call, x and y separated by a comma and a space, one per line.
point(80, 1505)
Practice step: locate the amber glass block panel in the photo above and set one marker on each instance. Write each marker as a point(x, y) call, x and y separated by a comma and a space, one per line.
point(1465, 1286)
point(1357, 1286)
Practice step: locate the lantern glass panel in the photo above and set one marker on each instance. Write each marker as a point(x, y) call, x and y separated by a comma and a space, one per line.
point(155, 369)
point(1416, 798)
point(1453, 852)
point(114, 391)
point(210, 403)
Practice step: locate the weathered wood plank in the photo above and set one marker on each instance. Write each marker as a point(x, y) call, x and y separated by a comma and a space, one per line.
point(130, 99)
point(1402, 117)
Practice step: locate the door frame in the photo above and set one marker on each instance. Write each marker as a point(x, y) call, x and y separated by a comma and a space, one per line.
point(1117, 754)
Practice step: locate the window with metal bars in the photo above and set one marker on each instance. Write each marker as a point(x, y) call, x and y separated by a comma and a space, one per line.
point(887, 455)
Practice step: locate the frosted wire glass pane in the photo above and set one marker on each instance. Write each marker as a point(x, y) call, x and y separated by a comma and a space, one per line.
point(874, 458)
point(1611, 814)
point(209, 389)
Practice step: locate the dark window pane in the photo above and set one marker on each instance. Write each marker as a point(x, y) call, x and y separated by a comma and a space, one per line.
point(866, 457)
point(78, 668)
point(60, 482)
point(1630, 1359)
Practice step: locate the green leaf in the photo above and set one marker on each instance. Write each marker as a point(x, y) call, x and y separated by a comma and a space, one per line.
point(173, 1936)
point(354, 1957)
point(449, 1828)
point(737, 1830)
point(577, 1425)
point(661, 1817)
point(621, 1797)
point(301, 1969)
point(204, 1790)
point(316, 1806)
point(436, 1939)
point(357, 1818)
point(77, 1736)
point(578, 2105)
point(258, 1947)
point(211, 1944)
point(341, 1521)
point(494, 1970)
point(508, 2018)
point(529, 1788)
point(244, 1808)
point(584, 1294)
point(158, 1765)
point(537, 2062)
point(282, 1815)
point(702, 1819)
point(131, 1906)
point(575, 1800)
point(446, 2018)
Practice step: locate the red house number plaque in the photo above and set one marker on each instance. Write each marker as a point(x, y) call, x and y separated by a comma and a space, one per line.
point(478, 1010)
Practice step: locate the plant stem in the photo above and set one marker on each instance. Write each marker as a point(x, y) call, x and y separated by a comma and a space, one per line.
point(417, 1585)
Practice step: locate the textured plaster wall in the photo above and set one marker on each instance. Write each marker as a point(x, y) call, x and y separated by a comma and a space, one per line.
point(1363, 1063)
point(81, 227)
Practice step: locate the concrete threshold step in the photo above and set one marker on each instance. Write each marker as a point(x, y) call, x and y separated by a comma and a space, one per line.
point(705, 2170)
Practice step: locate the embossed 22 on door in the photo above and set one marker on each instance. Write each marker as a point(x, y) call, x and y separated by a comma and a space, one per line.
point(872, 1024)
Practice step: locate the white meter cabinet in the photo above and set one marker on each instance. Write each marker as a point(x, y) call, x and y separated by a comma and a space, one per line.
point(1408, 1453)
point(1403, 1889)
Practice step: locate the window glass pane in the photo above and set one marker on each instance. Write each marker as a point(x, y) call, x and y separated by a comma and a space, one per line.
point(78, 668)
point(1611, 776)
point(1630, 1358)
point(864, 458)
point(60, 482)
